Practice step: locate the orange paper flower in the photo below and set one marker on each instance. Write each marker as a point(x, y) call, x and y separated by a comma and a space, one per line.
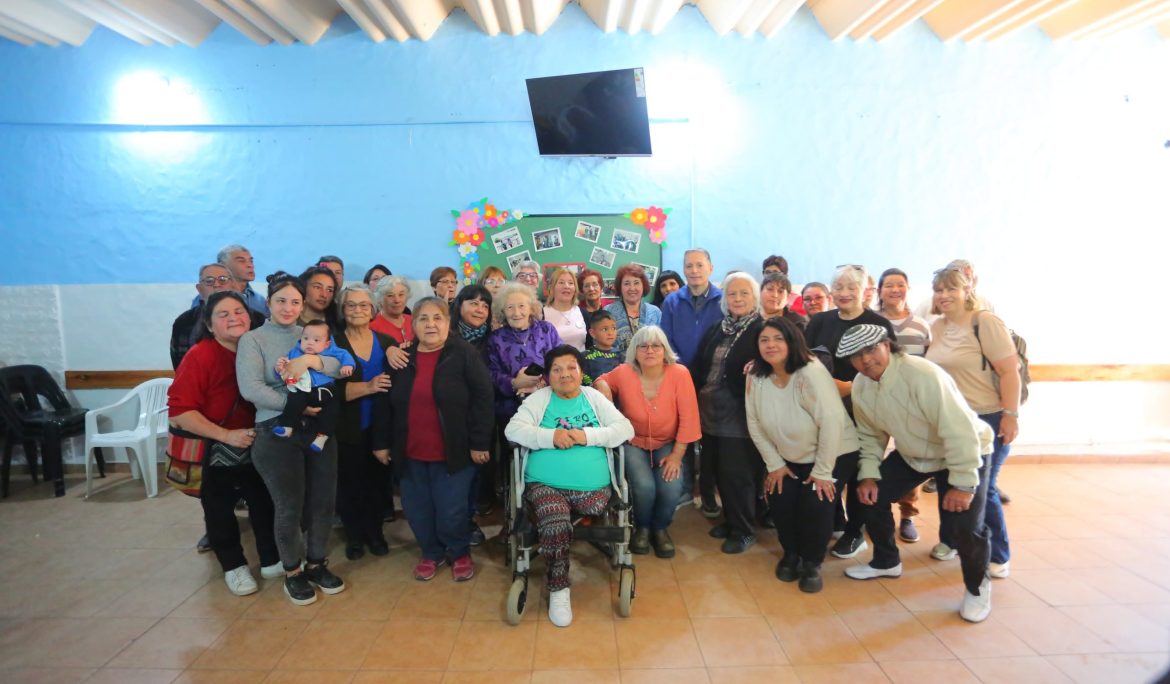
point(638, 216)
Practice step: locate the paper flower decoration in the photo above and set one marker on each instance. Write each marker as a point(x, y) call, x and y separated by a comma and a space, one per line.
point(477, 239)
point(655, 218)
point(459, 237)
point(468, 268)
point(468, 220)
point(470, 226)
point(466, 248)
point(638, 216)
point(489, 211)
point(658, 235)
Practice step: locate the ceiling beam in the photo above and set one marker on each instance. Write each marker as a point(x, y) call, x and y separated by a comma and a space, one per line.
point(1038, 12)
point(357, 11)
point(418, 18)
point(952, 20)
point(1164, 29)
point(839, 17)
point(722, 15)
point(1144, 17)
point(665, 11)
point(112, 18)
point(306, 20)
point(236, 21)
point(387, 20)
point(16, 37)
point(754, 15)
point(188, 23)
point(904, 18)
point(780, 16)
point(604, 13)
point(483, 13)
point(21, 28)
point(261, 21)
point(876, 20)
point(1086, 15)
point(50, 18)
point(540, 15)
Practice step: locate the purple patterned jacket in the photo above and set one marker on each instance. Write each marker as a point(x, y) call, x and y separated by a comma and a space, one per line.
point(510, 350)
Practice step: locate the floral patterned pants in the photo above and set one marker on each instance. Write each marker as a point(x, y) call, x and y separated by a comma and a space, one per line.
point(553, 508)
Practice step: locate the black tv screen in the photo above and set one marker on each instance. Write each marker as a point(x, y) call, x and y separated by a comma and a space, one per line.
point(599, 114)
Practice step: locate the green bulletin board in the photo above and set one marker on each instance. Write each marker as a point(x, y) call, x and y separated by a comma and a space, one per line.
point(601, 242)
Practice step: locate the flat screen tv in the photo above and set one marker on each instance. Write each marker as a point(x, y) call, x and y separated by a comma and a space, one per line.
point(599, 114)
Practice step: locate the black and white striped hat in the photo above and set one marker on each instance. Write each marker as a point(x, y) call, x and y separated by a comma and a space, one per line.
point(859, 337)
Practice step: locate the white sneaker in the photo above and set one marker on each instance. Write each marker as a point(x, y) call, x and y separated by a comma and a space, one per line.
point(977, 608)
point(999, 570)
point(942, 552)
point(867, 571)
point(560, 610)
point(240, 581)
point(272, 571)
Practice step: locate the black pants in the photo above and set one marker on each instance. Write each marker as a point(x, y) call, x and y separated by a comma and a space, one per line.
point(849, 513)
point(324, 423)
point(967, 529)
point(803, 522)
point(740, 477)
point(222, 487)
point(362, 484)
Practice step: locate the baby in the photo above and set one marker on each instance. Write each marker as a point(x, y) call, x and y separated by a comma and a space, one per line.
point(313, 389)
point(601, 358)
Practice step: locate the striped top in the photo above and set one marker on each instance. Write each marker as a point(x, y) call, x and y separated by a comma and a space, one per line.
point(913, 334)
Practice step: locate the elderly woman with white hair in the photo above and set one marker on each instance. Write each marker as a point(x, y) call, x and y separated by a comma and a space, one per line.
point(719, 378)
point(393, 319)
point(515, 351)
point(823, 333)
point(657, 395)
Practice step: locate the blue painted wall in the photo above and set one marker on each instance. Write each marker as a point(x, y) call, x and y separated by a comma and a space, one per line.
point(907, 153)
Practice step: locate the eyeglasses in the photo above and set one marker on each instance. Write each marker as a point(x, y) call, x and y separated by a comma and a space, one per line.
point(855, 267)
point(527, 276)
point(493, 281)
point(216, 280)
point(814, 298)
point(356, 306)
point(448, 281)
point(653, 346)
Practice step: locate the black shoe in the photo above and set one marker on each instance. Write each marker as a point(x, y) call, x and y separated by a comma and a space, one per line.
point(663, 544)
point(1003, 496)
point(810, 579)
point(765, 521)
point(477, 535)
point(710, 510)
point(483, 509)
point(379, 547)
point(720, 531)
point(788, 570)
point(299, 589)
point(640, 542)
point(907, 531)
point(203, 545)
point(388, 515)
point(738, 544)
point(849, 546)
point(930, 487)
point(327, 581)
point(354, 550)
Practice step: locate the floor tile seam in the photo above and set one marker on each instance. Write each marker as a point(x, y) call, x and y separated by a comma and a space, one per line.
point(284, 651)
point(133, 641)
point(874, 657)
point(775, 638)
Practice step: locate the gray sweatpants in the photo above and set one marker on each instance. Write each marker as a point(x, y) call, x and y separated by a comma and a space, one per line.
point(303, 485)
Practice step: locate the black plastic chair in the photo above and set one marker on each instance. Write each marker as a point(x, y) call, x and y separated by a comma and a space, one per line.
point(21, 389)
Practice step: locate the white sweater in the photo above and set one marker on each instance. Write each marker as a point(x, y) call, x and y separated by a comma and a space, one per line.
point(524, 428)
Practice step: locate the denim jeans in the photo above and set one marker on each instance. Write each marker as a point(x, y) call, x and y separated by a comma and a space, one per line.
point(1001, 551)
point(654, 498)
point(435, 504)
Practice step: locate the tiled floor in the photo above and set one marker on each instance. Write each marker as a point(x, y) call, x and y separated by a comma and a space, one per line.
point(112, 590)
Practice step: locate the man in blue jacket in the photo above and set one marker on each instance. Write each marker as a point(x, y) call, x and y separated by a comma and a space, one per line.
point(686, 315)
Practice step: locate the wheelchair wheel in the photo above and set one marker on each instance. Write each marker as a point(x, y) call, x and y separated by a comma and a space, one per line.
point(626, 592)
point(517, 597)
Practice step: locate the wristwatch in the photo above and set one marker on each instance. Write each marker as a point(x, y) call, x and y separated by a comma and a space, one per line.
point(1012, 413)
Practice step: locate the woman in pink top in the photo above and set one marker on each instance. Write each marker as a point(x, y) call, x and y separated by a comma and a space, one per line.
point(656, 394)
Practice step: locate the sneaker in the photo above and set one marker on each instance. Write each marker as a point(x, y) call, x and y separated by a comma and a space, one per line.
point(907, 531)
point(942, 552)
point(837, 534)
point(720, 531)
point(560, 609)
point(272, 571)
point(203, 545)
point(849, 546)
point(810, 579)
point(299, 589)
point(999, 570)
point(463, 568)
point(710, 511)
point(663, 544)
point(240, 581)
point(425, 570)
point(867, 572)
point(477, 535)
point(930, 487)
point(738, 544)
point(282, 431)
point(977, 608)
point(788, 570)
point(325, 580)
point(640, 542)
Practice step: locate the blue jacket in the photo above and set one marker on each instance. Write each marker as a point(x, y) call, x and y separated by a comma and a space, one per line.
point(333, 351)
point(684, 327)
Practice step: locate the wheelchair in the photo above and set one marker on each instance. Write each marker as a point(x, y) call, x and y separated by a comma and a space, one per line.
point(609, 532)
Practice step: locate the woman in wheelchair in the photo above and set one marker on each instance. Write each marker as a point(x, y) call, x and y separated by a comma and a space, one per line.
point(568, 428)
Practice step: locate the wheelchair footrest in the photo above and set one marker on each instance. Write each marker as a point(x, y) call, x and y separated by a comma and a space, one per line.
point(595, 533)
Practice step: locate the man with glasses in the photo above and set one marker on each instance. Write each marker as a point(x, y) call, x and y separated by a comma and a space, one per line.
point(937, 435)
point(238, 261)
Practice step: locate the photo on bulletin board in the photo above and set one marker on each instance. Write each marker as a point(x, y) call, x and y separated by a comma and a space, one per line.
point(588, 232)
point(609, 289)
point(625, 240)
point(507, 240)
point(515, 260)
point(651, 272)
point(544, 240)
point(602, 257)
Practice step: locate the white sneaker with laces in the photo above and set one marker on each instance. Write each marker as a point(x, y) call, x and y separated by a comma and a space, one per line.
point(999, 570)
point(272, 571)
point(867, 571)
point(240, 581)
point(560, 610)
point(977, 608)
point(942, 552)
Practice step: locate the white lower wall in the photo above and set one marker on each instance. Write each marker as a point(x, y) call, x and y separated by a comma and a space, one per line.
point(127, 327)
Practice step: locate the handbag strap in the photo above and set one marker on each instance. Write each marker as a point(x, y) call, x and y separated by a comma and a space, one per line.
point(180, 432)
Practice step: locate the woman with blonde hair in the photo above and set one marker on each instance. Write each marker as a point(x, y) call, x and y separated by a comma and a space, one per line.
point(562, 310)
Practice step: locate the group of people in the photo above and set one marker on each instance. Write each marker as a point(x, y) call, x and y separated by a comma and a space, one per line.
point(810, 412)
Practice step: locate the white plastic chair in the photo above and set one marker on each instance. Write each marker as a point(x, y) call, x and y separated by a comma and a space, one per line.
point(142, 439)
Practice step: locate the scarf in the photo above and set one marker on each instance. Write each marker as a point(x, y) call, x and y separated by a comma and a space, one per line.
point(471, 334)
point(734, 328)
